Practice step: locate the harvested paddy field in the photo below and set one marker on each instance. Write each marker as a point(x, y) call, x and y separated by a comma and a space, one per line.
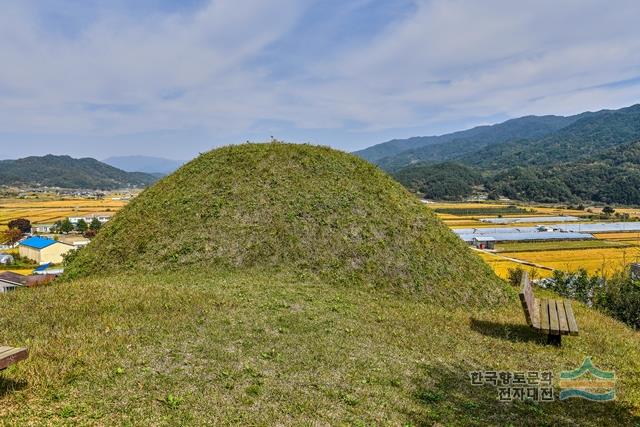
point(605, 261)
point(48, 211)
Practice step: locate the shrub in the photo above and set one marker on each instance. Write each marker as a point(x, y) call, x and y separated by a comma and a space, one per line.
point(577, 285)
point(620, 298)
point(515, 275)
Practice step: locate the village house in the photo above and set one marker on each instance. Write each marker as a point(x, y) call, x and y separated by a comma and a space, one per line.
point(102, 217)
point(77, 241)
point(41, 228)
point(44, 250)
point(484, 242)
point(10, 281)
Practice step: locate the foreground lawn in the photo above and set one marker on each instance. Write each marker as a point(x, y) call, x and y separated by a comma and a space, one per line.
point(262, 349)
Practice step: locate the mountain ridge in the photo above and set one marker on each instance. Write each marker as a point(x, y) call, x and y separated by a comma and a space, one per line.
point(67, 172)
point(521, 126)
point(533, 158)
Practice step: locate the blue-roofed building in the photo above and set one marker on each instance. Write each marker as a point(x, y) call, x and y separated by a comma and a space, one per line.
point(43, 250)
point(45, 269)
point(37, 242)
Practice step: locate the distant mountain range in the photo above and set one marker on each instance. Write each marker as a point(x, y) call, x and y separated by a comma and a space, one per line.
point(398, 153)
point(593, 156)
point(147, 164)
point(67, 172)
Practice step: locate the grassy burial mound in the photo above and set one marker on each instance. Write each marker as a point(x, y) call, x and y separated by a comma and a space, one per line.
point(299, 208)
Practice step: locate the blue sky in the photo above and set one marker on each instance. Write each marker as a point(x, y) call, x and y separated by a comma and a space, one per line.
point(173, 78)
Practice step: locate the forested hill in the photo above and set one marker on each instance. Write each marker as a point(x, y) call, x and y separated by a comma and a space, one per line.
point(610, 177)
point(531, 139)
point(587, 157)
point(586, 138)
point(67, 172)
point(401, 152)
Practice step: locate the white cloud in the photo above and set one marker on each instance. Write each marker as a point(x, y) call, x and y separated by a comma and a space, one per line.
point(449, 61)
point(118, 61)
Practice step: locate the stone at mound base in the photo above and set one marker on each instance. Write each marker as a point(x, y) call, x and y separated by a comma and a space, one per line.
point(300, 208)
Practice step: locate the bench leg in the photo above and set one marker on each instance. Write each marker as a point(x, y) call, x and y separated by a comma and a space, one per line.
point(554, 340)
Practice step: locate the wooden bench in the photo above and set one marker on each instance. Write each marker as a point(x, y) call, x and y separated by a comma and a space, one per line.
point(551, 317)
point(10, 355)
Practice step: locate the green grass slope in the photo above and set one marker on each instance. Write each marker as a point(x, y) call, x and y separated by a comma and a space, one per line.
point(250, 348)
point(300, 208)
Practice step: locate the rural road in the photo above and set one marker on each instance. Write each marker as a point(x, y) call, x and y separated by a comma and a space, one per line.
point(516, 260)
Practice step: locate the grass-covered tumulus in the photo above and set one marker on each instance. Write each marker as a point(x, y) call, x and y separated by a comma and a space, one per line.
point(298, 208)
point(289, 285)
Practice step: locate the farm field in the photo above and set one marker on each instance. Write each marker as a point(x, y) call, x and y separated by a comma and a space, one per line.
point(559, 245)
point(464, 215)
point(45, 210)
point(605, 254)
point(501, 266)
point(23, 271)
point(627, 236)
point(595, 261)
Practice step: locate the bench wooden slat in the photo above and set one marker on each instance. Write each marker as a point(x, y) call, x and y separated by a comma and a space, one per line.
point(3, 349)
point(562, 318)
point(527, 299)
point(554, 327)
point(9, 357)
point(544, 315)
point(535, 320)
point(571, 320)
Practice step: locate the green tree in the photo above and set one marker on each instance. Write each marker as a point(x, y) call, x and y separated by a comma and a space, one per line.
point(82, 226)
point(56, 227)
point(11, 235)
point(66, 226)
point(22, 224)
point(95, 224)
point(515, 275)
point(608, 210)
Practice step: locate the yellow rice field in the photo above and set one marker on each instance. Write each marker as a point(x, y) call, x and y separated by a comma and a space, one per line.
point(23, 271)
point(49, 211)
point(502, 266)
point(535, 210)
point(444, 205)
point(605, 261)
point(618, 236)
